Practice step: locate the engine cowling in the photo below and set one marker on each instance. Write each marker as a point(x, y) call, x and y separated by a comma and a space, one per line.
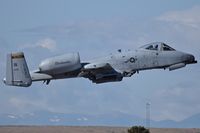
point(61, 64)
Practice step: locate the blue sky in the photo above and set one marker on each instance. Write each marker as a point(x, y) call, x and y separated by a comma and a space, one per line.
point(44, 28)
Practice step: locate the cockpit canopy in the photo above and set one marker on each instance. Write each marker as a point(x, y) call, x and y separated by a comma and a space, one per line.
point(158, 46)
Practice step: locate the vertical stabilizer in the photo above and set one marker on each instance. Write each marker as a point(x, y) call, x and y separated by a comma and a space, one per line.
point(17, 72)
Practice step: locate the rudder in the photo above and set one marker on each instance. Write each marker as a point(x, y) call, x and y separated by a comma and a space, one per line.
point(17, 72)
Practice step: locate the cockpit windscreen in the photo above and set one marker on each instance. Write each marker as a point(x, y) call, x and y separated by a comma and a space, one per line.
point(158, 46)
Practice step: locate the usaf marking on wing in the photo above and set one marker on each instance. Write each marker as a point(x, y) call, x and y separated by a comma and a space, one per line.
point(108, 69)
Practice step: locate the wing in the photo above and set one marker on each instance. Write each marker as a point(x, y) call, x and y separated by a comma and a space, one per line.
point(100, 73)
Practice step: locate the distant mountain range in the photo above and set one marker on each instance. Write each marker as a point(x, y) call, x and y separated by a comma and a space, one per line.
point(114, 119)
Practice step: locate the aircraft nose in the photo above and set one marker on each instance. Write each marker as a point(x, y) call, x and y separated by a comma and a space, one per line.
point(190, 59)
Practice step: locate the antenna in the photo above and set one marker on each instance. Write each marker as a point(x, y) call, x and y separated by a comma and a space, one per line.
point(148, 115)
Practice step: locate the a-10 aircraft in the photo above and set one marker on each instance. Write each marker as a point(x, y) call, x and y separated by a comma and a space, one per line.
point(111, 68)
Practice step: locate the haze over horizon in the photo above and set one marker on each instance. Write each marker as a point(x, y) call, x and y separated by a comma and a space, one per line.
point(45, 28)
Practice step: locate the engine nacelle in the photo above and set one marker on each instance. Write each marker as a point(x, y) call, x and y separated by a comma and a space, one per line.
point(61, 64)
point(177, 66)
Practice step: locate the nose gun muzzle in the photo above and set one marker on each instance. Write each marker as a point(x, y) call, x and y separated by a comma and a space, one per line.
point(191, 59)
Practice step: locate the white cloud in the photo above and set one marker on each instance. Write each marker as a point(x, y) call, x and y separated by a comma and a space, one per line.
point(188, 17)
point(17, 103)
point(54, 120)
point(175, 103)
point(12, 116)
point(181, 28)
point(82, 119)
point(46, 43)
point(24, 105)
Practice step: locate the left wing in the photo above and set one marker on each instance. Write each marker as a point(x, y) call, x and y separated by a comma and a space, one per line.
point(100, 73)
